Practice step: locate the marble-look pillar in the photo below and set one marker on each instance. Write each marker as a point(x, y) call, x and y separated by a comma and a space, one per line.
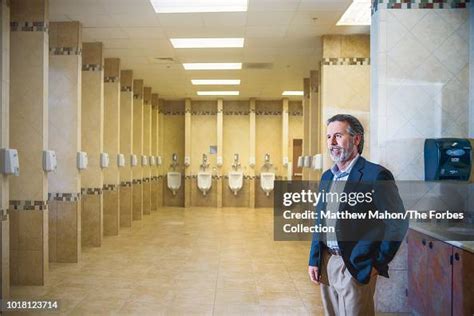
point(137, 187)
point(284, 137)
point(252, 152)
point(111, 146)
point(4, 143)
point(306, 124)
point(316, 127)
point(155, 189)
point(92, 143)
point(64, 128)
point(147, 150)
point(29, 135)
point(187, 152)
point(220, 148)
point(161, 145)
point(126, 147)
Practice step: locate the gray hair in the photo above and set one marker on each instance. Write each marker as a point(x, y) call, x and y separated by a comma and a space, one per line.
point(355, 127)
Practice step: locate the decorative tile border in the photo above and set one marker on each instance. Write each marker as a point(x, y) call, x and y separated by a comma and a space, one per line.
point(126, 89)
point(161, 177)
point(203, 113)
point(137, 96)
point(171, 113)
point(3, 215)
point(110, 187)
point(61, 51)
point(91, 67)
point(268, 112)
point(91, 191)
point(146, 180)
point(28, 205)
point(155, 107)
point(419, 4)
point(137, 181)
point(126, 184)
point(346, 61)
point(28, 26)
point(64, 197)
point(236, 112)
point(112, 79)
point(295, 113)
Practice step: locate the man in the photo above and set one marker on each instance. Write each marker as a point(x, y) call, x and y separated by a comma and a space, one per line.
point(346, 262)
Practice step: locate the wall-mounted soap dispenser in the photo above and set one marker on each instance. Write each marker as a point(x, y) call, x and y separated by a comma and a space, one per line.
point(82, 160)
point(133, 160)
point(121, 160)
point(104, 160)
point(144, 160)
point(152, 160)
point(49, 161)
point(252, 162)
point(9, 161)
point(158, 160)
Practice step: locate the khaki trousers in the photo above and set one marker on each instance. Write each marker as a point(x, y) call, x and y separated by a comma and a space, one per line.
point(344, 295)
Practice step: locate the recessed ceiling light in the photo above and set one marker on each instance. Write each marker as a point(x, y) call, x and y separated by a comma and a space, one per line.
point(293, 93)
point(228, 82)
point(218, 93)
point(206, 42)
point(186, 6)
point(358, 13)
point(212, 66)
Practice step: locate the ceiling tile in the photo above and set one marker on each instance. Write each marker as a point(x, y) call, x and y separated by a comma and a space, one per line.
point(265, 31)
point(268, 18)
point(145, 32)
point(273, 5)
point(224, 19)
point(181, 20)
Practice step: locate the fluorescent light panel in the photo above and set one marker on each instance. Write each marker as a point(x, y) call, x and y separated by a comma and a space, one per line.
point(187, 6)
point(227, 82)
point(218, 93)
point(293, 93)
point(212, 66)
point(206, 42)
point(358, 13)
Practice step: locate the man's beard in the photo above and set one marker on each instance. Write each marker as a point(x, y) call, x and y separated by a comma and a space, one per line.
point(340, 154)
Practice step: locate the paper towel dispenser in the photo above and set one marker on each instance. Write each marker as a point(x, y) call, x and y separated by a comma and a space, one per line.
point(448, 159)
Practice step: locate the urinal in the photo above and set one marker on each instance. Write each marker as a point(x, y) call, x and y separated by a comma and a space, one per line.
point(204, 181)
point(236, 180)
point(174, 181)
point(267, 180)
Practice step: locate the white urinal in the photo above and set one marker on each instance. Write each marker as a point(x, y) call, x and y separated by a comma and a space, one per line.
point(267, 180)
point(174, 181)
point(204, 181)
point(236, 180)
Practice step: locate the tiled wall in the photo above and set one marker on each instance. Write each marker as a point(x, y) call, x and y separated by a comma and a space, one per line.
point(419, 90)
point(4, 142)
point(425, 95)
point(236, 139)
point(345, 83)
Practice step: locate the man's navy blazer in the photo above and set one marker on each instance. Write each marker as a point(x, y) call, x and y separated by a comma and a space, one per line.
point(368, 243)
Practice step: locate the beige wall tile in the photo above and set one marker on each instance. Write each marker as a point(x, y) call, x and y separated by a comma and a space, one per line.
point(126, 206)
point(111, 213)
point(92, 220)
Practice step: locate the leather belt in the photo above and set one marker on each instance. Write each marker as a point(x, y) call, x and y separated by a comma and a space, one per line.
point(334, 252)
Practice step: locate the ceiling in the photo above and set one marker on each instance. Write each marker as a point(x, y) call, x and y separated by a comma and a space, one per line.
point(284, 33)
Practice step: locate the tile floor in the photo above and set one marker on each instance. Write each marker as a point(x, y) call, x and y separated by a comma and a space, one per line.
point(187, 261)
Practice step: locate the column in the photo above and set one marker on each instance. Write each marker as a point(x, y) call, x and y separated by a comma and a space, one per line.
point(284, 137)
point(4, 143)
point(147, 150)
point(316, 127)
point(252, 157)
point(306, 123)
point(161, 145)
point(111, 146)
point(155, 117)
point(220, 148)
point(29, 135)
point(64, 130)
point(137, 187)
point(187, 152)
point(92, 143)
point(126, 147)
